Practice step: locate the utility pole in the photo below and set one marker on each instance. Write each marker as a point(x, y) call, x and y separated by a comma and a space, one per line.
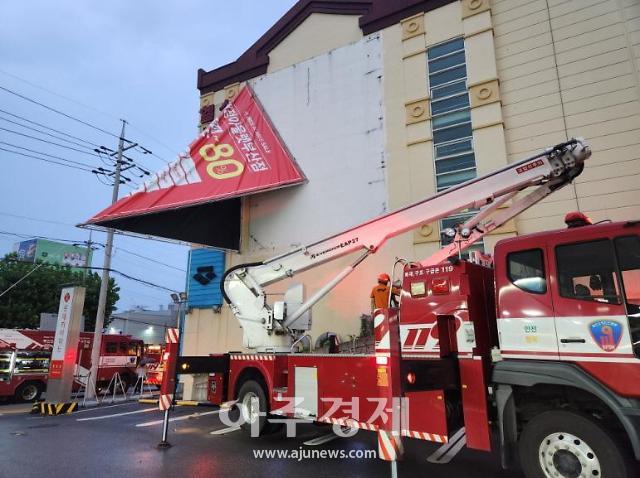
point(104, 285)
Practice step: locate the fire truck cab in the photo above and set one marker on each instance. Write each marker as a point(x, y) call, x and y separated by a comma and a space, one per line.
point(568, 321)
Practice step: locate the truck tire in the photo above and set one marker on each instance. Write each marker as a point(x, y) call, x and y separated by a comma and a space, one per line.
point(250, 392)
point(562, 444)
point(29, 392)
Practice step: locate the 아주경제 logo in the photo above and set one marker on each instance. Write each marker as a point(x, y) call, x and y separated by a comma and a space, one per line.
point(607, 334)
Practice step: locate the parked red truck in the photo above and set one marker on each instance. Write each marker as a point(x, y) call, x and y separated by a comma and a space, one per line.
point(24, 361)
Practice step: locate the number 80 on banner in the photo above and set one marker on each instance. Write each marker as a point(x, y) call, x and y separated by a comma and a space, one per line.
point(213, 153)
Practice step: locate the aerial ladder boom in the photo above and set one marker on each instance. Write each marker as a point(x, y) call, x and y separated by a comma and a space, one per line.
point(492, 200)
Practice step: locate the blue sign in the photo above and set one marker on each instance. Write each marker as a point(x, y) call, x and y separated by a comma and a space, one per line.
point(27, 250)
point(206, 267)
point(607, 334)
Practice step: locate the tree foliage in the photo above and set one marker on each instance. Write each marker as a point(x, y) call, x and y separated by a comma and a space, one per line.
point(40, 292)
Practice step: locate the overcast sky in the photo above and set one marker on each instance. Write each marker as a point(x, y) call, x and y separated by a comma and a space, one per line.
point(115, 59)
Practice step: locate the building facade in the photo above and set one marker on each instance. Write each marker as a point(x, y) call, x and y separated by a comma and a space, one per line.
point(149, 326)
point(385, 103)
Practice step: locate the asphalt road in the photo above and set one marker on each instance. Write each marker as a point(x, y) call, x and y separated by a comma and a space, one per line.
point(120, 440)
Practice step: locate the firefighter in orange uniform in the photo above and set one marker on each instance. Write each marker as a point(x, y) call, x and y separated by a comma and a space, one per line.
point(380, 293)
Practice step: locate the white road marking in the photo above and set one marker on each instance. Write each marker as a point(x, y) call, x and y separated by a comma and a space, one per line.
point(93, 409)
point(224, 431)
point(449, 450)
point(321, 440)
point(101, 417)
point(174, 419)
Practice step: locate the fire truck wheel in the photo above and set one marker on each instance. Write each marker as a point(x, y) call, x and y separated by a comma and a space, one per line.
point(28, 392)
point(569, 445)
point(252, 403)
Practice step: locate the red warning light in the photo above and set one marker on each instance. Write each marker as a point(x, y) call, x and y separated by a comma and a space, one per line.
point(440, 286)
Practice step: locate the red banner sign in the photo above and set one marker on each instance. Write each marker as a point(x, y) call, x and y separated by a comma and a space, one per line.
point(237, 154)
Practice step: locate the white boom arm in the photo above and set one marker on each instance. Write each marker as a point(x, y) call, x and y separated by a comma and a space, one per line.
point(540, 175)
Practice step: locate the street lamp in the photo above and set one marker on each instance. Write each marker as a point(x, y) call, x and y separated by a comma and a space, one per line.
point(180, 298)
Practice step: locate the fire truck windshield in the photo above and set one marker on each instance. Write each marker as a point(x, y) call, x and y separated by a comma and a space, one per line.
point(628, 251)
point(28, 361)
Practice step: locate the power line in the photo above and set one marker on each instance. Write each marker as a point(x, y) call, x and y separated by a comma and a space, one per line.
point(48, 134)
point(126, 276)
point(168, 148)
point(104, 113)
point(47, 154)
point(145, 151)
point(93, 108)
point(48, 142)
point(149, 259)
point(21, 279)
point(29, 236)
point(26, 98)
point(97, 152)
point(46, 160)
point(18, 216)
point(152, 324)
point(32, 236)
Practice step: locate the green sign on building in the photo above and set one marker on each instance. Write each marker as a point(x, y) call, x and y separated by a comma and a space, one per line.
point(54, 253)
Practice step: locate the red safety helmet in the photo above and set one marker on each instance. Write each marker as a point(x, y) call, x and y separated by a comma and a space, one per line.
point(384, 277)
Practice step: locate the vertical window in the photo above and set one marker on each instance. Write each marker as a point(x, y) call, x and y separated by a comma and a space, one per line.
point(450, 114)
point(525, 270)
point(586, 271)
point(454, 159)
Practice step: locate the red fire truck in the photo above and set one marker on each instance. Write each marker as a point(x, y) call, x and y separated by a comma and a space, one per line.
point(24, 361)
point(543, 349)
point(154, 364)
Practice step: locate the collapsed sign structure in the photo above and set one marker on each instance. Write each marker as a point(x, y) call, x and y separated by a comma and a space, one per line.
point(197, 197)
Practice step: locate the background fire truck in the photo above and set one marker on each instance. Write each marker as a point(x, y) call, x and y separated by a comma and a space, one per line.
point(544, 349)
point(154, 363)
point(24, 361)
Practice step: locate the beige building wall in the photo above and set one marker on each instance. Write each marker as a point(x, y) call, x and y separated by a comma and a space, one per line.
point(318, 34)
point(570, 68)
point(409, 141)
